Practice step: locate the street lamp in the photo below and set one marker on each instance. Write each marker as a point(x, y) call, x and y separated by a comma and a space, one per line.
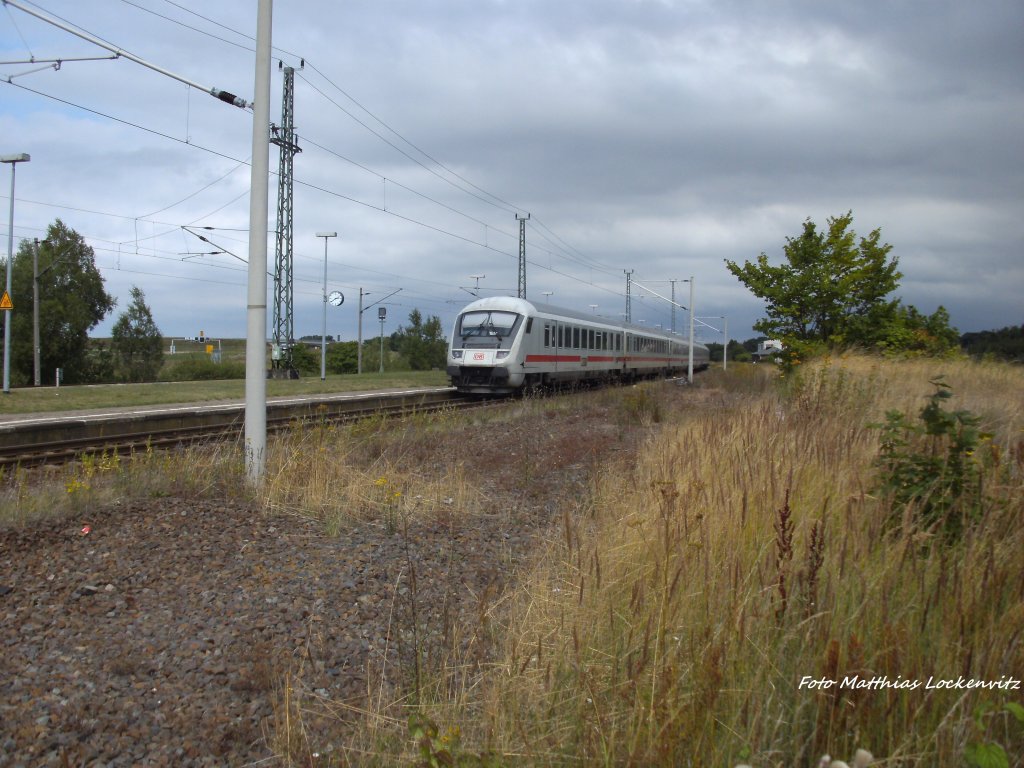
point(13, 160)
point(323, 329)
point(547, 296)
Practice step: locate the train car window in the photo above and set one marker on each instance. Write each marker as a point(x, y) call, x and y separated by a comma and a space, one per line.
point(547, 335)
point(529, 325)
point(575, 338)
point(590, 339)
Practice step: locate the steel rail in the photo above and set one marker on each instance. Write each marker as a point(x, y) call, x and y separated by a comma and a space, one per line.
point(64, 440)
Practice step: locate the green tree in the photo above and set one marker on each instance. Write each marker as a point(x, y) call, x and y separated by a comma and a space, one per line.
point(72, 301)
point(422, 344)
point(910, 331)
point(830, 290)
point(1006, 343)
point(342, 357)
point(737, 352)
point(306, 359)
point(136, 341)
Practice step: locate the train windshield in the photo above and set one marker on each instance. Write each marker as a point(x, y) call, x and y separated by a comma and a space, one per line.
point(488, 324)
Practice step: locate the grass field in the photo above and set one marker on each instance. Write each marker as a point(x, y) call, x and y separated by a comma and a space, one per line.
point(43, 399)
point(71, 398)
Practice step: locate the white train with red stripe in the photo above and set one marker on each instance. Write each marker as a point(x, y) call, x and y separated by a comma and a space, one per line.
point(501, 345)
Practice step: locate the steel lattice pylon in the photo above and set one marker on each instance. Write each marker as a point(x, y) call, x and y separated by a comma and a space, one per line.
point(284, 318)
point(521, 292)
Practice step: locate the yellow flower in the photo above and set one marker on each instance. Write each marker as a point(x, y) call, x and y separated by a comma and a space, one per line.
point(380, 481)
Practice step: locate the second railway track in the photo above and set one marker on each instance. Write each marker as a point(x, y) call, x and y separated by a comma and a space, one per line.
point(60, 439)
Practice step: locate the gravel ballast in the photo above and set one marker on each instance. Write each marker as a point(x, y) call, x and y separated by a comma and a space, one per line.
point(163, 631)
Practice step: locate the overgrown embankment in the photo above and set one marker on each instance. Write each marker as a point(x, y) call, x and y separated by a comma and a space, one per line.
point(756, 589)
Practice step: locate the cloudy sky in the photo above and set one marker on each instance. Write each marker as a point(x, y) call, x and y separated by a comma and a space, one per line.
point(659, 136)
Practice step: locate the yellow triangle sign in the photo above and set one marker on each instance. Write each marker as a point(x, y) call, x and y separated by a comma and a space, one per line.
point(5, 301)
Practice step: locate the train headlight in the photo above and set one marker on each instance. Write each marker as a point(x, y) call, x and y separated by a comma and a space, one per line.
point(456, 354)
point(501, 354)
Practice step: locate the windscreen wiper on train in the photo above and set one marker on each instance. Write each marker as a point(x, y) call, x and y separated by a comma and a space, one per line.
point(486, 328)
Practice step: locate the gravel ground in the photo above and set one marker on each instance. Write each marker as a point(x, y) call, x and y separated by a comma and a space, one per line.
point(164, 634)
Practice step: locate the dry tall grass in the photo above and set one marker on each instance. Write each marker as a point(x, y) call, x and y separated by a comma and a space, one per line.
point(100, 480)
point(675, 617)
point(348, 473)
point(679, 620)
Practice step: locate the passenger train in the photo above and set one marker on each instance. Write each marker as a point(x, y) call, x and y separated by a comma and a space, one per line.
point(501, 345)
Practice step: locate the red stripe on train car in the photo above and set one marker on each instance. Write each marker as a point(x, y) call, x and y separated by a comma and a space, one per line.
point(552, 359)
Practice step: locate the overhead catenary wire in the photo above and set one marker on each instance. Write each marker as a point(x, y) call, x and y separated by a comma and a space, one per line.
point(217, 93)
point(382, 208)
point(339, 195)
point(561, 249)
point(495, 200)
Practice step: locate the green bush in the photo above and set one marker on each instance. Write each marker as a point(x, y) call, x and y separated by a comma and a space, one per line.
point(933, 465)
point(202, 369)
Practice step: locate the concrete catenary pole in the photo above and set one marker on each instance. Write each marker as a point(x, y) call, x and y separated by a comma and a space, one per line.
point(359, 348)
point(13, 160)
point(36, 374)
point(725, 346)
point(673, 282)
point(689, 366)
point(256, 313)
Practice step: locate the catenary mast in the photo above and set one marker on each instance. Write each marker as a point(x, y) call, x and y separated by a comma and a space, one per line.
point(284, 314)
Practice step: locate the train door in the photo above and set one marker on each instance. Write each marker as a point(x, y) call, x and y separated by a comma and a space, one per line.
point(556, 341)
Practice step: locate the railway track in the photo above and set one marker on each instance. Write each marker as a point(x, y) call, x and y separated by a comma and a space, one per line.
point(61, 439)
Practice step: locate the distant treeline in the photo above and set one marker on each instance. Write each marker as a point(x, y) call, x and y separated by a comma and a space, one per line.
point(1005, 344)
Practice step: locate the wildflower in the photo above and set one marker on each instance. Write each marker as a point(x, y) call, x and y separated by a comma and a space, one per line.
point(380, 481)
